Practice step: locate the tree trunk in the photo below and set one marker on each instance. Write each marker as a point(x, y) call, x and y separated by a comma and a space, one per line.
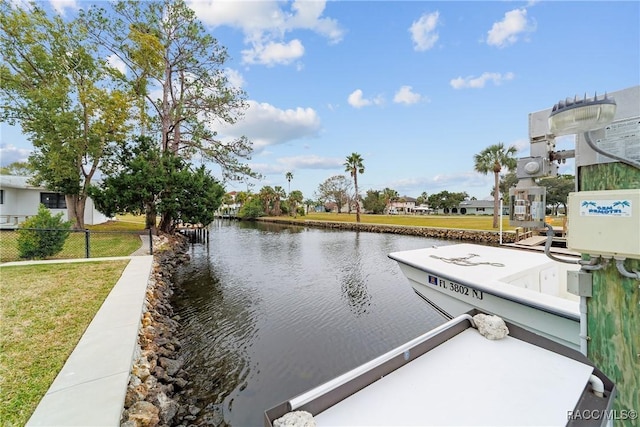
point(496, 201)
point(150, 217)
point(75, 210)
point(166, 223)
point(355, 184)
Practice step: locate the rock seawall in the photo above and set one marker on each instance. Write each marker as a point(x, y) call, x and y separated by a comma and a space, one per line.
point(479, 236)
point(157, 377)
point(158, 394)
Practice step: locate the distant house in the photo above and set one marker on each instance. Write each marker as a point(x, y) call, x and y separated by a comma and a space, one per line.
point(423, 210)
point(333, 207)
point(476, 207)
point(19, 200)
point(471, 207)
point(402, 205)
point(226, 210)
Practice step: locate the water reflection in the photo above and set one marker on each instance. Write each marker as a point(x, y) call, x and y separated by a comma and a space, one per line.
point(221, 326)
point(269, 311)
point(353, 285)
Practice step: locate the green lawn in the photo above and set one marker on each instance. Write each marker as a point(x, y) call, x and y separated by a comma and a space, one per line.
point(113, 238)
point(44, 310)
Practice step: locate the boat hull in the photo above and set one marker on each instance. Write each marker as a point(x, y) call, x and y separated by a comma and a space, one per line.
point(455, 290)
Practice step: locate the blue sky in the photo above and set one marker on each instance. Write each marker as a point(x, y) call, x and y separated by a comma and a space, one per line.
point(415, 87)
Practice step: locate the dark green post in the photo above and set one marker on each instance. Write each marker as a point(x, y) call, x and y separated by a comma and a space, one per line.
point(87, 250)
point(613, 312)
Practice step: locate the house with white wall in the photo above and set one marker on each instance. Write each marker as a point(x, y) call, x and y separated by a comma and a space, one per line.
point(402, 205)
point(476, 207)
point(20, 200)
point(472, 207)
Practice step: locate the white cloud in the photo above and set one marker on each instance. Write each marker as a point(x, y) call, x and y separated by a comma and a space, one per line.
point(273, 53)
point(235, 78)
point(114, 62)
point(310, 162)
point(267, 125)
point(522, 145)
point(294, 163)
point(507, 31)
point(60, 5)
point(357, 100)
point(423, 31)
point(405, 95)
point(266, 23)
point(308, 15)
point(10, 154)
point(479, 82)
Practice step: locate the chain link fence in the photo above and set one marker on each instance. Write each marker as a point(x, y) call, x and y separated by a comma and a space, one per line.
point(81, 243)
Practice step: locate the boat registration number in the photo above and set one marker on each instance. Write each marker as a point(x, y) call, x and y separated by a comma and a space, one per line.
point(455, 287)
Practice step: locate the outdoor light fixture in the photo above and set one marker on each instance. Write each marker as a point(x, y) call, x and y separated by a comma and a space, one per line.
point(584, 116)
point(581, 115)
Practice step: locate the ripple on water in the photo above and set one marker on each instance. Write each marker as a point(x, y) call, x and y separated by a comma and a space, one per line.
point(270, 311)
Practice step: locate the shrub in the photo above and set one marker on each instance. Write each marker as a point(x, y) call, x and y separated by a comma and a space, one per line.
point(43, 235)
point(252, 209)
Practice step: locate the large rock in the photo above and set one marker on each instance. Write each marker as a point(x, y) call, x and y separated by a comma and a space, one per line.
point(144, 414)
point(168, 408)
point(172, 366)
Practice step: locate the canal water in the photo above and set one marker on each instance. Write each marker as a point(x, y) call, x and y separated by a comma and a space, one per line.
point(269, 311)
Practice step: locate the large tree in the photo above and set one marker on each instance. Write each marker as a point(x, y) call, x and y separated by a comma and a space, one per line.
point(154, 182)
point(354, 166)
point(493, 159)
point(64, 98)
point(446, 200)
point(268, 196)
point(422, 198)
point(558, 189)
point(166, 49)
point(335, 190)
point(507, 181)
point(374, 202)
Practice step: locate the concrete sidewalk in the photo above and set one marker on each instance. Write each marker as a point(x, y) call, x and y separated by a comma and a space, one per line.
point(91, 387)
point(145, 249)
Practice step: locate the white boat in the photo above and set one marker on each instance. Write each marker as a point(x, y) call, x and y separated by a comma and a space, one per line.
point(525, 287)
point(453, 376)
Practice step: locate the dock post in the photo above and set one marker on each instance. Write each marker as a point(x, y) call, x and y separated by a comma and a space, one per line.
point(613, 312)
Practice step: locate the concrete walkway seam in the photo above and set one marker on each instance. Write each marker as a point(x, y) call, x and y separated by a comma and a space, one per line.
point(91, 387)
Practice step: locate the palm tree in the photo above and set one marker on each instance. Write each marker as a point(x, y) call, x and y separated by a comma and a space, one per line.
point(267, 194)
point(309, 202)
point(354, 166)
point(493, 159)
point(390, 196)
point(279, 195)
point(289, 177)
point(295, 198)
point(242, 197)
